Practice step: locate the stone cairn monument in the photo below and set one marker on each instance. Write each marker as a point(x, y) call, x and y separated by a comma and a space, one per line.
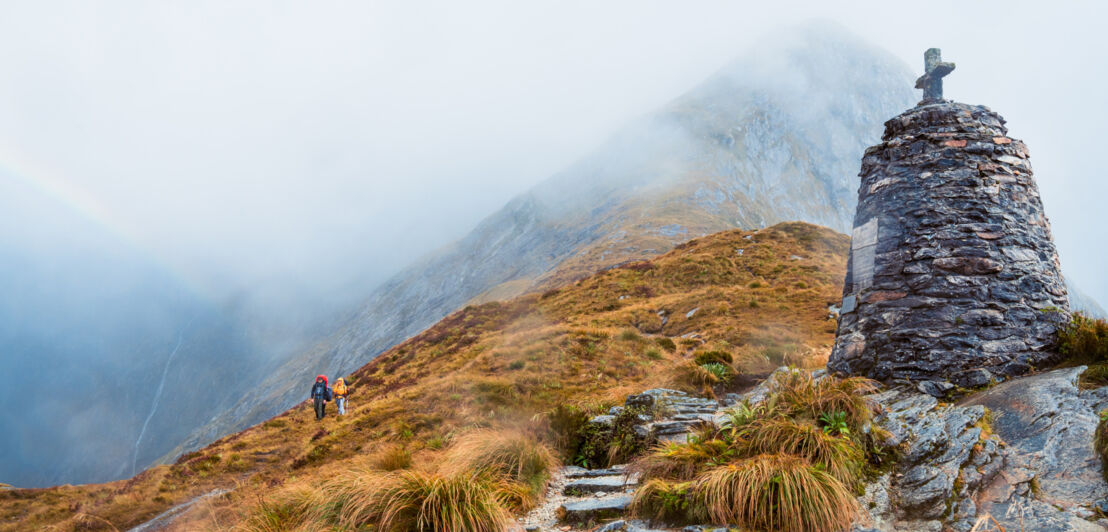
point(953, 277)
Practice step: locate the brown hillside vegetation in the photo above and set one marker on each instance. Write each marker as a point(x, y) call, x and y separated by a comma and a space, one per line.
point(457, 406)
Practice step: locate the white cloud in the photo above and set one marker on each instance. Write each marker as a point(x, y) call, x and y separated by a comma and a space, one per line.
point(348, 137)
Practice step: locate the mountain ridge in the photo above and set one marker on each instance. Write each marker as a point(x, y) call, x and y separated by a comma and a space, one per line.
point(743, 149)
point(499, 365)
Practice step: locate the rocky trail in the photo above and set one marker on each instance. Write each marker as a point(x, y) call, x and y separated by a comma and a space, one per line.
point(166, 518)
point(579, 498)
point(1017, 455)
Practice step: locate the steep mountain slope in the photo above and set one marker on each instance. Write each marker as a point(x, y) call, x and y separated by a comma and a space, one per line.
point(107, 361)
point(761, 296)
point(773, 136)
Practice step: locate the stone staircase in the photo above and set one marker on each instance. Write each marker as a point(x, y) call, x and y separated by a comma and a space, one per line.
point(678, 412)
point(579, 498)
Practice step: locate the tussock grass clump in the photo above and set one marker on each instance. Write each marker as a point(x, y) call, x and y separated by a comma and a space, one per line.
point(797, 393)
point(689, 376)
point(290, 508)
point(392, 458)
point(1095, 376)
point(567, 428)
point(630, 335)
point(509, 454)
point(837, 455)
point(722, 372)
point(682, 461)
point(669, 502)
point(708, 357)
point(1084, 340)
point(777, 492)
point(415, 501)
point(741, 415)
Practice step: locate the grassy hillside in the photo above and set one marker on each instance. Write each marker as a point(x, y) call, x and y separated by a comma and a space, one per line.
point(745, 148)
point(761, 296)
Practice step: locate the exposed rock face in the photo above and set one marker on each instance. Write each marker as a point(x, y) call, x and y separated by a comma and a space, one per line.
point(1037, 471)
point(948, 456)
point(953, 273)
point(1052, 475)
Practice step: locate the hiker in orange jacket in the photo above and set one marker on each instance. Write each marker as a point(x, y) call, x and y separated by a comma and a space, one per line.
point(340, 392)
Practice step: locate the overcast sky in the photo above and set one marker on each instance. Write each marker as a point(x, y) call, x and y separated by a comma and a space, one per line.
point(273, 140)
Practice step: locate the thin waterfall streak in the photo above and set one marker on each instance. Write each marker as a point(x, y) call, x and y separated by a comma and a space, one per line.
point(158, 394)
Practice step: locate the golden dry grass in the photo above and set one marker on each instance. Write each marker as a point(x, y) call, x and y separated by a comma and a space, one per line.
point(797, 393)
point(777, 492)
point(415, 501)
point(588, 342)
point(292, 507)
point(392, 458)
point(508, 453)
point(682, 461)
point(840, 456)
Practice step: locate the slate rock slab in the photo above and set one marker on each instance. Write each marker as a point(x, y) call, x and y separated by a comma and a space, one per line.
point(604, 484)
point(594, 509)
point(1051, 477)
point(1036, 471)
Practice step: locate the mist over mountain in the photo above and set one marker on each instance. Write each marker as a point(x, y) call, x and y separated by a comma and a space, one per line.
point(108, 359)
point(775, 135)
point(121, 364)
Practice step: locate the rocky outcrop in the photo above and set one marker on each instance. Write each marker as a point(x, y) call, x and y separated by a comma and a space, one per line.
point(953, 275)
point(1052, 479)
point(948, 454)
point(1019, 455)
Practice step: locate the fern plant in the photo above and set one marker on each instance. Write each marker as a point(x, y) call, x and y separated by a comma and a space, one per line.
point(722, 372)
point(835, 423)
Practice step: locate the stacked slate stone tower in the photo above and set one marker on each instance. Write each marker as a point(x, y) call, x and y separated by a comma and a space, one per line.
point(953, 277)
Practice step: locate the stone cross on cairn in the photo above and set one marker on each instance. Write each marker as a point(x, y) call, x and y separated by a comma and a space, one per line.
point(932, 79)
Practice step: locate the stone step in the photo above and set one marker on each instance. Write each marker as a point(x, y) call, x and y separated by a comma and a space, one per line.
point(695, 406)
point(607, 484)
point(627, 526)
point(580, 472)
point(694, 411)
point(663, 428)
point(690, 401)
point(707, 417)
point(594, 508)
point(678, 437)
